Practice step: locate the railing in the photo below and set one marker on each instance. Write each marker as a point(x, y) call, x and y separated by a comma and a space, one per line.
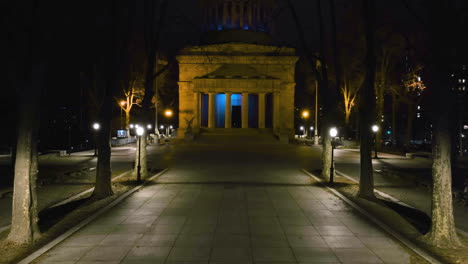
point(122, 141)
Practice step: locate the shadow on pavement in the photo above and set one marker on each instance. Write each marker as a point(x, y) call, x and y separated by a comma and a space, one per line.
point(50, 216)
point(420, 220)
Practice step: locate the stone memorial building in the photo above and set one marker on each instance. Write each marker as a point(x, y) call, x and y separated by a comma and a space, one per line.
point(238, 77)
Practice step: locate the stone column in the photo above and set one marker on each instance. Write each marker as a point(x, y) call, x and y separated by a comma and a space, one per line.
point(241, 17)
point(211, 110)
point(249, 11)
point(245, 110)
point(216, 16)
point(276, 110)
point(228, 115)
point(225, 15)
point(197, 110)
point(233, 14)
point(261, 110)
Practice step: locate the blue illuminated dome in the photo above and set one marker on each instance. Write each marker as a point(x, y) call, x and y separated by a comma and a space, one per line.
point(232, 20)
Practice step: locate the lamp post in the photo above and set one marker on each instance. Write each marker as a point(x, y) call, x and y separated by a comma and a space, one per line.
point(168, 114)
point(311, 130)
point(96, 128)
point(333, 133)
point(375, 129)
point(122, 103)
point(162, 128)
point(301, 128)
point(305, 115)
point(139, 131)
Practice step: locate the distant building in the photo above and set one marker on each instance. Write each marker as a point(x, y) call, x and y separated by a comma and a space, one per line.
point(459, 86)
point(238, 77)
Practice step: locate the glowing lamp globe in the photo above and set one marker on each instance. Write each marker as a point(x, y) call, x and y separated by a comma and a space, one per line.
point(140, 131)
point(168, 113)
point(375, 128)
point(96, 126)
point(333, 132)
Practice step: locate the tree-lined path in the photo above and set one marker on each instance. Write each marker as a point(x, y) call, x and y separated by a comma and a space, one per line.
point(232, 203)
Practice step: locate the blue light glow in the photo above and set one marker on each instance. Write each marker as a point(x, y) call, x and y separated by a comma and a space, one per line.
point(236, 100)
point(220, 109)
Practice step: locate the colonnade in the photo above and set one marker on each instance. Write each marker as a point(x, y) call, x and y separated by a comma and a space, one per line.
point(244, 110)
point(237, 14)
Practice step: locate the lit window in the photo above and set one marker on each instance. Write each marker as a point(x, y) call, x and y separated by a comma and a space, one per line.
point(463, 80)
point(419, 107)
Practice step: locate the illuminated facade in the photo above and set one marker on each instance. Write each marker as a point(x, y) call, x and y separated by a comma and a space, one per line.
point(238, 78)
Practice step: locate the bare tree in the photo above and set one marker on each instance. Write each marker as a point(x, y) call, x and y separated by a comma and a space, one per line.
point(133, 92)
point(33, 65)
point(319, 67)
point(113, 19)
point(367, 104)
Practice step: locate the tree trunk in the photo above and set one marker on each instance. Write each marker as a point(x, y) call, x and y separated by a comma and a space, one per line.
point(409, 124)
point(393, 130)
point(24, 228)
point(141, 154)
point(103, 186)
point(442, 233)
point(367, 106)
point(326, 150)
point(328, 101)
point(380, 112)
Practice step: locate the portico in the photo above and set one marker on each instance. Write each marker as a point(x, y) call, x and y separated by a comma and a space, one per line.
point(237, 86)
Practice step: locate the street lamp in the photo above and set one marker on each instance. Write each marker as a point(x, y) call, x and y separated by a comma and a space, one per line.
point(375, 129)
point(169, 131)
point(139, 131)
point(96, 128)
point(333, 133)
point(301, 128)
point(305, 115)
point(149, 126)
point(122, 103)
point(168, 113)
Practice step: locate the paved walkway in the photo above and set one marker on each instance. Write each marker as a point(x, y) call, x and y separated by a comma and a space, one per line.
point(250, 221)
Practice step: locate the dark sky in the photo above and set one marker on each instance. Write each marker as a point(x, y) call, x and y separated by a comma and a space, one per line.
point(68, 27)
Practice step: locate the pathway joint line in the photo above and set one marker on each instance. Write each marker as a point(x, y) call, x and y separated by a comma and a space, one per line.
point(426, 256)
point(86, 221)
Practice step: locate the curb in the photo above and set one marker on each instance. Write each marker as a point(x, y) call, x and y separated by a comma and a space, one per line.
point(395, 200)
point(86, 221)
point(426, 256)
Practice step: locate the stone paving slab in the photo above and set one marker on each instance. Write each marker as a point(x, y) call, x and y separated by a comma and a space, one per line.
point(229, 223)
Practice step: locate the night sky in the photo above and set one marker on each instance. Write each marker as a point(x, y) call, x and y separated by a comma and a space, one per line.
point(68, 39)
